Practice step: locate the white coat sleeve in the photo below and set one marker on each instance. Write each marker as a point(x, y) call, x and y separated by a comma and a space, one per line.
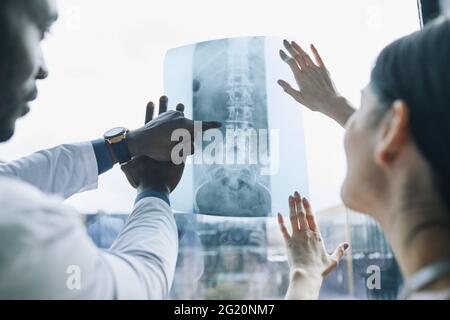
point(63, 170)
point(143, 257)
point(46, 253)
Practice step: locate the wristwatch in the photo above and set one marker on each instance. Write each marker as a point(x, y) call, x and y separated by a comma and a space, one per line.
point(117, 139)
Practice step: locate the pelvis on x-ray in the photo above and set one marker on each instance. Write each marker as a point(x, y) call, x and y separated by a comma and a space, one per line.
point(229, 85)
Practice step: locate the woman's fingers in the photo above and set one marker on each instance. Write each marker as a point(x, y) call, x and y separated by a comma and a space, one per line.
point(297, 56)
point(283, 228)
point(303, 53)
point(290, 91)
point(339, 252)
point(310, 216)
point(291, 62)
point(336, 257)
point(317, 57)
point(301, 214)
point(300, 57)
point(293, 215)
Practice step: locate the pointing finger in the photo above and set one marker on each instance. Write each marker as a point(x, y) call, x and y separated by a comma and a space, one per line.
point(206, 125)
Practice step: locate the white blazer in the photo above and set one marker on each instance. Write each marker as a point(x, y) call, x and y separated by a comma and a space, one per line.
point(45, 251)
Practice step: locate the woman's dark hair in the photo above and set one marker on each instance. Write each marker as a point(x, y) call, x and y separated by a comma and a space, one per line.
point(416, 69)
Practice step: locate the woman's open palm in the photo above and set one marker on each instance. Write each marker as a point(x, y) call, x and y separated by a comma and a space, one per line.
point(305, 248)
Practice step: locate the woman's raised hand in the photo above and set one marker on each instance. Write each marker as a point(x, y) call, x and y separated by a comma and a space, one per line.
point(308, 259)
point(316, 89)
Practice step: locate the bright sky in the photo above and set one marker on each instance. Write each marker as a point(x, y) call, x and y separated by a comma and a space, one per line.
point(106, 60)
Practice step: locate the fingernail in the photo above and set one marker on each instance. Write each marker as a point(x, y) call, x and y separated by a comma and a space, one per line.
point(280, 218)
point(285, 42)
point(306, 202)
point(346, 245)
point(312, 46)
point(280, 82)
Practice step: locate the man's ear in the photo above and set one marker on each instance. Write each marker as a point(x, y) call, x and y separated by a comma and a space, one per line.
point(394, 133)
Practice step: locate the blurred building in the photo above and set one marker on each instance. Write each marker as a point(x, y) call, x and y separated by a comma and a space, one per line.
point(368, 248)
point(245, 258)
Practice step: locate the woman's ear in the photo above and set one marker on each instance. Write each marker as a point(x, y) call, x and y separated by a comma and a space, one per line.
point(394, 133)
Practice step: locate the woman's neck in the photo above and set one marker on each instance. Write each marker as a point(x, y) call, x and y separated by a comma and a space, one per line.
point(419, 233)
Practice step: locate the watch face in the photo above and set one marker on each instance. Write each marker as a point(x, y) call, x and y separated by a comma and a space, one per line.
point(115, 132)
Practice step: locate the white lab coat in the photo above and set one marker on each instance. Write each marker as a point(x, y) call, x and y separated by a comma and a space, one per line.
point(45, 252)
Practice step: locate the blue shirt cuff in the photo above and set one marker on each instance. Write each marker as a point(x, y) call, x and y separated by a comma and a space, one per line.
point(103, 156)
point(157, 194)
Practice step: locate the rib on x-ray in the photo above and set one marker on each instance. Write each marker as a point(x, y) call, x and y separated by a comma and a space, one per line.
point(226, 80)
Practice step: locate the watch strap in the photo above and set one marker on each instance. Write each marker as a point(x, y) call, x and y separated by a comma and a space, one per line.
point(121, 151)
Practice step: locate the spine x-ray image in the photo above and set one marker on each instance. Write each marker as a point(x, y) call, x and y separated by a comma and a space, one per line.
point(229, 86)
point(227, 80)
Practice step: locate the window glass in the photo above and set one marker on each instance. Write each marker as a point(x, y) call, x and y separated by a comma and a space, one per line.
point(106, 60)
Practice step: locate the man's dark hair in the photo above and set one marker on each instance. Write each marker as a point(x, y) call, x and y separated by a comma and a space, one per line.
point(416, 69)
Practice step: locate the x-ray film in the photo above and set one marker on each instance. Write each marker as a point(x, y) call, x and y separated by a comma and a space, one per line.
point(239, 169)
